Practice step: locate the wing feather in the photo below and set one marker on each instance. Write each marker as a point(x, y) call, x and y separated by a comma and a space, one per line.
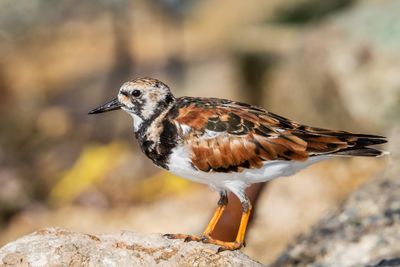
point(245, 136)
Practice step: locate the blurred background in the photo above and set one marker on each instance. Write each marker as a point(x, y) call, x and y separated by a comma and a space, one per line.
point(331, 63)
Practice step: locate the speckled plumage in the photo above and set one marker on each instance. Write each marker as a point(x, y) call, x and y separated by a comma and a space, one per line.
point(225, 144)
point(227, 136)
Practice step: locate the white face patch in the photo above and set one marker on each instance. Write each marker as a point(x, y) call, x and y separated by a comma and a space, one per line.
point(145, 104)
point(137, 121)
point(148, 109)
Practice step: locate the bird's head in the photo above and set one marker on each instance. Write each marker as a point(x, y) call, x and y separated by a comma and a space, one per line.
point(142, 98)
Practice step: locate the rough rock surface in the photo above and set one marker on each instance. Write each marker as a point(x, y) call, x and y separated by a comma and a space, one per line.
point(58, 247)
point(364, 232)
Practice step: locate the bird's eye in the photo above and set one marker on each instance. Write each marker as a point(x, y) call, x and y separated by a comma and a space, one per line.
point(136, 93)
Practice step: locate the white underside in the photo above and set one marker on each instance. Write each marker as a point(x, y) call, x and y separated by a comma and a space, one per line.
point(235, 182)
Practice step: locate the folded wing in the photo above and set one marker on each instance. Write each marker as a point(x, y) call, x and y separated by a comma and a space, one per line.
point(226, 136)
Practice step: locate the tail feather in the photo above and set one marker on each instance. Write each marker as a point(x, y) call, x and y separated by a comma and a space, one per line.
point(320, 142)
point(358, 145)
point(362, 139)
point(369, 141)
point(361, 152)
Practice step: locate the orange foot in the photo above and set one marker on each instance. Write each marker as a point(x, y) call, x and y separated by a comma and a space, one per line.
point(207, 239)
point(222, 244)
point(186, 238)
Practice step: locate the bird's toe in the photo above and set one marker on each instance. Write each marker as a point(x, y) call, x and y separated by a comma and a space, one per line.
point(186, 238)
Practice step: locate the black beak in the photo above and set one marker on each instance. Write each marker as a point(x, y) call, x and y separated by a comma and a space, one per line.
point(109, 106)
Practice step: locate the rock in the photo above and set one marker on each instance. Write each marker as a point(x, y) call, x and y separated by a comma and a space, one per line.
point(59, 247)
point(364, 232)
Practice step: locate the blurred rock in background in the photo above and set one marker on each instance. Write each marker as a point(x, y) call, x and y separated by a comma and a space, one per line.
point(364, 231)
point(326, 63)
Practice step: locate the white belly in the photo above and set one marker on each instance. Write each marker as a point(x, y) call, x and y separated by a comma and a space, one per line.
point(179, 164)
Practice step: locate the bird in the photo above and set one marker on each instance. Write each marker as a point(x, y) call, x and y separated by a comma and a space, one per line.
point(226, 145)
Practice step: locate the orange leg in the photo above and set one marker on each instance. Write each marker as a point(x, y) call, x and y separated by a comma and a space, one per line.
point(238, 243)
point(223, 201)
point(206, 238)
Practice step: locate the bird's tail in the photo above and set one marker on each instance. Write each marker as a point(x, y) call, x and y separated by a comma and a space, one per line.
point(328, 142)
point(358, 145)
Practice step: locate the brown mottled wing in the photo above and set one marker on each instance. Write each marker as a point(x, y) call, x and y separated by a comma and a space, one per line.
point(226, 136)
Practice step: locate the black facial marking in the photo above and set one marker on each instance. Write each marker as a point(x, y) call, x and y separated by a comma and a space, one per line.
point(147, 144)
point(163, 148)
point(160, 149)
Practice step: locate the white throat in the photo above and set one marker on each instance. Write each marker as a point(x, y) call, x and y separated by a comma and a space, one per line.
point(137, 122)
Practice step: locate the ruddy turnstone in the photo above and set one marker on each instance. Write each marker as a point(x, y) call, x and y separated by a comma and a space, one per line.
point(225, 144)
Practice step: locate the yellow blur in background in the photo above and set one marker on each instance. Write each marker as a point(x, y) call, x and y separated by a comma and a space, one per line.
point(333, 64)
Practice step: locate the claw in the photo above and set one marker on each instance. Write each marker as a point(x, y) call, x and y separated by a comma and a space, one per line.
point(186, 238)
point(229, 246)
point(221, 244)
point(169, 236)
point(204, 239)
